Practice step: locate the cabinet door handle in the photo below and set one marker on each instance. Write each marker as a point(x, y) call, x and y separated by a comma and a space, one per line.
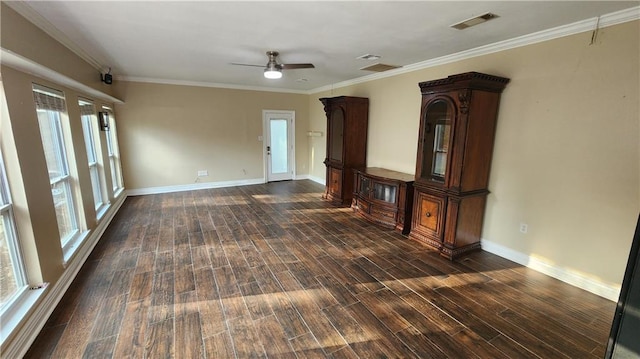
point(428, 214)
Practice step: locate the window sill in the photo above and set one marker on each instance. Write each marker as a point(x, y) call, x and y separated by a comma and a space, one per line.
point(100, 211)
point(72, 246)
point(18, 310)
point(118, 192)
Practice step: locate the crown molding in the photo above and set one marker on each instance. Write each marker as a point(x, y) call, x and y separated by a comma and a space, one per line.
point(208, 84)
point(606, 20)
point(614, 18)
point(23, 8)
point(21, 63)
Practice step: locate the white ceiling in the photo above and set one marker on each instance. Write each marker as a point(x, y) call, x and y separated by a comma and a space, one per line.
point(196, 41)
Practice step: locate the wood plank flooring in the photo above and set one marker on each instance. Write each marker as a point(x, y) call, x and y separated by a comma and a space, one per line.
point(272, 271)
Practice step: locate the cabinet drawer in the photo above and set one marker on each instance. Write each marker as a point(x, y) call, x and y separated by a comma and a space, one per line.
point(335, 181)
point(429, 213)
point(384, 213)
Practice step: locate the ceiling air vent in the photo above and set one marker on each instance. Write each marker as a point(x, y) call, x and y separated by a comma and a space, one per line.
point(474, 21)
point(369, 57)
point(380, 67)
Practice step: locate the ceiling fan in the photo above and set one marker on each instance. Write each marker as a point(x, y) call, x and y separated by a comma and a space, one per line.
point(273, 70)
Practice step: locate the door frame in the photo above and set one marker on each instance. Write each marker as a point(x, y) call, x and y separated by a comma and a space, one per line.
point(291, 137)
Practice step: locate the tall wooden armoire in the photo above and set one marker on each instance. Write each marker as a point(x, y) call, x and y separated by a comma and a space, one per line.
point(347, 120)
point(455, 145)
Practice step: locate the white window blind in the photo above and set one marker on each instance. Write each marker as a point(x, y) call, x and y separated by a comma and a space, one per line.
point(48, 99)
point(86, 108)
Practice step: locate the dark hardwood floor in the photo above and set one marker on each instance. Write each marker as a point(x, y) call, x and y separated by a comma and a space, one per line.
point(272, 271)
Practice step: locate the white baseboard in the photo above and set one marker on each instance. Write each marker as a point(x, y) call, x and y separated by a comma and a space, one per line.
point(311, 178)
point(315, 179)
point(34, 323)
point(605, 290)
point(192, 187)
point(207, 185)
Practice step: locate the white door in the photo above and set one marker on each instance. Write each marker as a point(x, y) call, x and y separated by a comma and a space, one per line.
point(279, 145)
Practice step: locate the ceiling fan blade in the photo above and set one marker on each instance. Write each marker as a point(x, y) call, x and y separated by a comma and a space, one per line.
point(237, 64)
point(296, 66)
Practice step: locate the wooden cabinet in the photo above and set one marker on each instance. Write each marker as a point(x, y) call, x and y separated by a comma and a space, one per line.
point(384, 197)
point(347, 120)
point(455, 144)
point(430, 214)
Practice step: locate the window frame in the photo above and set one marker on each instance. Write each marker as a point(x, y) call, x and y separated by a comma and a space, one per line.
point(94, 159)
point(55, 118)
point(113, 152)
point(13, 245)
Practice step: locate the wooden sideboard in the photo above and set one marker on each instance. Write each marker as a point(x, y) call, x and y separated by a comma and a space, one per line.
point(384, 197)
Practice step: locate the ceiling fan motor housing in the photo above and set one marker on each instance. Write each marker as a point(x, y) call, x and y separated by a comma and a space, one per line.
point(273, 70)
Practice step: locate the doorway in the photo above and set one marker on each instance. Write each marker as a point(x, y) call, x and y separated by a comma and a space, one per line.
point(279, 145)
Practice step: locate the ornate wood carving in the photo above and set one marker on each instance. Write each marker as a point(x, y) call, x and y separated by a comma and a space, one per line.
point(464, 96)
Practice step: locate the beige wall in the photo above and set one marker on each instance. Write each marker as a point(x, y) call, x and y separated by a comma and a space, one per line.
point(25, 162)
point(566, 161)
point(169, 132)
point(37, 46)
point(556, 167)
point(28, 174)
point(566, 158)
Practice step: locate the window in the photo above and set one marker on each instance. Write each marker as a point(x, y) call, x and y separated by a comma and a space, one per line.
point(50, 105)
point(114, 153)
point(12, 274)
point(92, 141)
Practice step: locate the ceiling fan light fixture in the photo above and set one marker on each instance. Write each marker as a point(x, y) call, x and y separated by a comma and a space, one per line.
point(273, 70)
point(272, 73)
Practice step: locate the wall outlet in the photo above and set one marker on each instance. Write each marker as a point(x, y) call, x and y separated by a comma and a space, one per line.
point(203, 173)
point(524, 228)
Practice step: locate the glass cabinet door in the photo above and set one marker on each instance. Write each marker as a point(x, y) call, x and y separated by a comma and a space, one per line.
point(365, 186)
point(437, 140)
point(384, 192)
point(336, 134)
